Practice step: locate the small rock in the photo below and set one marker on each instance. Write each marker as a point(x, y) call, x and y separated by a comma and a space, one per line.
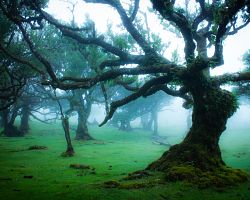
point(37, 147)
point(111, 184)
point(79, 166)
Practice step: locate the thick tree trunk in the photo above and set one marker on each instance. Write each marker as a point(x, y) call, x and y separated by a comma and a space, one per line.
point(199, 153)
point(24, 126)
point(189, 119)
point(200, 148)
point(10, 130)
point(82, 132)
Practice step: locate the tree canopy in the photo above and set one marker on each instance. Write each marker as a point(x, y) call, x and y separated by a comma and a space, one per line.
point(134, 53)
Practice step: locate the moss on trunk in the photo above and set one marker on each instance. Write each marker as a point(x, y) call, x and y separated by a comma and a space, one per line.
point(82, 132)
point(198, 157)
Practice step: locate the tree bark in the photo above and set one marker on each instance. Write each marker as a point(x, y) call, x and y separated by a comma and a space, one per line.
point(83, 108)
point(82, 132)
point(24, 126)
point(200, 147)
point(189, 119)
point(1, 120)
point(155, 119)
point(199, 153)
point(70, 149)
point(10, 130)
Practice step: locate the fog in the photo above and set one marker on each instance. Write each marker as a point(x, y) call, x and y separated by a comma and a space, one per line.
point(172, 120)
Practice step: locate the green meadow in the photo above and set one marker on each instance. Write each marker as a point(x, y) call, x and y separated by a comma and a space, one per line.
point(44, 174)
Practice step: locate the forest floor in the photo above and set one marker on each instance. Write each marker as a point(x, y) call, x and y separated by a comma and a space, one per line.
point(44, 174)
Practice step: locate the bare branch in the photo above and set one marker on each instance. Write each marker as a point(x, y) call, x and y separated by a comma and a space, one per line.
point(236, 29)
point(104, 92)
point(86, 41)
point(166, 9)
point(229, 11)
point(236, 77)
point(116, 104)
point(46, 121)
point(85, 83)
point(119, 62)
point(128, 25)
point(136, 8)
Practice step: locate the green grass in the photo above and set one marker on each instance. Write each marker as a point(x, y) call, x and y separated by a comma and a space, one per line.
point(124, 151)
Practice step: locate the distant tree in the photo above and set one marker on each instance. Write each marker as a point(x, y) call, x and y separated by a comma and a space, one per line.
point(8, 119)
point(146, 109)
point(81, 102)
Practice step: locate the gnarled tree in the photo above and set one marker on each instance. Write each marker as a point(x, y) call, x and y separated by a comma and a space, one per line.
point(208, 26)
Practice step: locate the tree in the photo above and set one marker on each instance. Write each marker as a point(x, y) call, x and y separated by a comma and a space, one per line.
point(8, 117)
point(65, 124)
point(82, 105)
point(211, 22)
point(145, 108)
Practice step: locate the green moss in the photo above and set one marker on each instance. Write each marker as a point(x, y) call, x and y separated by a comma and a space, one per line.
point(137, 175)
point(130, 186)
point(182, 172)
point(111, 184)
point(54, 179)
point(220, 177)
point(79, 166)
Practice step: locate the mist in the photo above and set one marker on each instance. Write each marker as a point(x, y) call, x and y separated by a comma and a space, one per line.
point(124, 100)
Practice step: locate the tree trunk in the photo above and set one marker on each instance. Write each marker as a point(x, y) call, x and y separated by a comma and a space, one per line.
point(82, 132)
point(1, 120)
point(125, 125)
point(189, 119)
point(155, 119)
point(200, 152)
point(10, 130)
point(146, 122)
point(70, 150)
point(24, 126)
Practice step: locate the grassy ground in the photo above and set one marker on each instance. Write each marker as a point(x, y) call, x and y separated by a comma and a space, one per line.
point(44, 174)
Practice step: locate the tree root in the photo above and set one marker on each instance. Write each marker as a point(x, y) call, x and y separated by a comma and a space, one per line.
point(219, 177)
